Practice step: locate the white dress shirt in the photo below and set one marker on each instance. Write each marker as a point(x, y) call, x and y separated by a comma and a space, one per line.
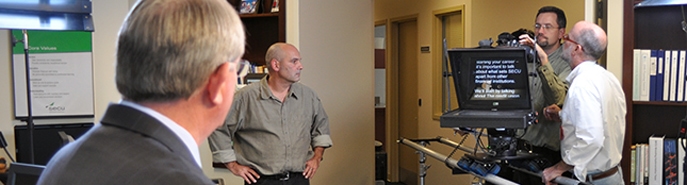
point(182, 133)
point(593, 118)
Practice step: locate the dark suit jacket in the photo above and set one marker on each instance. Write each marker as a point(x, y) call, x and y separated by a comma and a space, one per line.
point(128, 147)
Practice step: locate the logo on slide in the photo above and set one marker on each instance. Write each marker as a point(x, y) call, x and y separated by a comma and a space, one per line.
point(52, 108)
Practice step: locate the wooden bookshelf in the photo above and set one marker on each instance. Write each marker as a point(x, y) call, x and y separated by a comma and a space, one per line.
point(653, 27)
point(263, 29)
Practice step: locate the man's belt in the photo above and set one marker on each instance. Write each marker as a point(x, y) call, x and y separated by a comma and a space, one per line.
point(281, 176)
point(604, 174)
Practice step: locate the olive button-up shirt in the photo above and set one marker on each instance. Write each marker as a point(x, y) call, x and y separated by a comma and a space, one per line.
point(269, 135)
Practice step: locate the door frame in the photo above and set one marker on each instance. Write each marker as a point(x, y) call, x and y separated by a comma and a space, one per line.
point(392, 94)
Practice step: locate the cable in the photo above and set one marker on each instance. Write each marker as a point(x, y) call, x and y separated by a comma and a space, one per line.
point(8, 154)
point(456, 148)
point(479, 144)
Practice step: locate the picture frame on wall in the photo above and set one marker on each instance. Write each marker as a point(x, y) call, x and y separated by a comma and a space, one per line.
point(249, 6)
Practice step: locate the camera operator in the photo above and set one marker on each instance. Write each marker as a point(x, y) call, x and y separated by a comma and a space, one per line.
point(548, 87)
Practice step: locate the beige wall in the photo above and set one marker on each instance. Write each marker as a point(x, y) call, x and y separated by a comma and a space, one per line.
point(614, 53)
point(336, 42)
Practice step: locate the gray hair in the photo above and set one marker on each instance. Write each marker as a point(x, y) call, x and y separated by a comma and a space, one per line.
point(275, 51)
point(593, 46)
point(168, 48)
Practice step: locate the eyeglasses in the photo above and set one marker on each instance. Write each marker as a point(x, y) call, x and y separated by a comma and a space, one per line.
point(545, 26)
point(242, 68)
point(566, 37)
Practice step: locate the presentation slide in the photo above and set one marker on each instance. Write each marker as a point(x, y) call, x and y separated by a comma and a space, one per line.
point(495, 79)
point(61, 74)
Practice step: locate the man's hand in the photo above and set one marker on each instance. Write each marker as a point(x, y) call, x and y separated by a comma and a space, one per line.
point(314, 163)
point(245, 172)
point(550, 173)
point(526, 40)
point(551, 112)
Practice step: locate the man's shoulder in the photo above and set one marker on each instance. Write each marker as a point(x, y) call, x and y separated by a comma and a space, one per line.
point(249, 89)
point(593, 72)
point(555, 57)
point(304, 89)
point(156, 170)
point(126, 157)
point(301, 86)
point(109, 140)
point(557, 62)
point(251, 86)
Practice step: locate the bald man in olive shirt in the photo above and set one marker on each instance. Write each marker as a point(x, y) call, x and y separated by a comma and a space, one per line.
point(277, 129)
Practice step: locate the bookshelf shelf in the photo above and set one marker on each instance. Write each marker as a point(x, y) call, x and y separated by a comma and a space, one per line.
point(649, 103)
point(259, 15)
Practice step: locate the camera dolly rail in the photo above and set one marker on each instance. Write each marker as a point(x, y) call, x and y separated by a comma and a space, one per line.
point(479, 170)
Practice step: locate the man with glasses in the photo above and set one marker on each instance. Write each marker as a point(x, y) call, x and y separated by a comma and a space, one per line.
point(593, 119)
point(277, 130)
point(177, 84)
point(548, 87)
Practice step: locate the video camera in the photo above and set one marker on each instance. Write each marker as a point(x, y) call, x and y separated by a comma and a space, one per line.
point(511, 39)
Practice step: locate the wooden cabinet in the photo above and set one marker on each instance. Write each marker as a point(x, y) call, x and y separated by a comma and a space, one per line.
point(263, 29)
point(651, 27)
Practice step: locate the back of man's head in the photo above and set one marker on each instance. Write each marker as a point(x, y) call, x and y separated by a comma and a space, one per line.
point(592, 38)
point(561, 20)
point(168, 48)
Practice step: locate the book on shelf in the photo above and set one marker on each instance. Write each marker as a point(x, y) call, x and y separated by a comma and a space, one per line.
point(633, 164)
point(642, 166)
point(681, 76)
point(666, 75)
point(681, 161)
point(652, 75)
point(265, 6)
point(645, 163)
point(670, 161)
point(673, 77)
point(275, 6)
point(249, 6)
point(636, 55)
point(660, 62)
point(645, 80)
point(656, 160)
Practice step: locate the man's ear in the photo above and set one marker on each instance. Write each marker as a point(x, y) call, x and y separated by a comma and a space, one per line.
point(274, 65)
point(218, 83)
